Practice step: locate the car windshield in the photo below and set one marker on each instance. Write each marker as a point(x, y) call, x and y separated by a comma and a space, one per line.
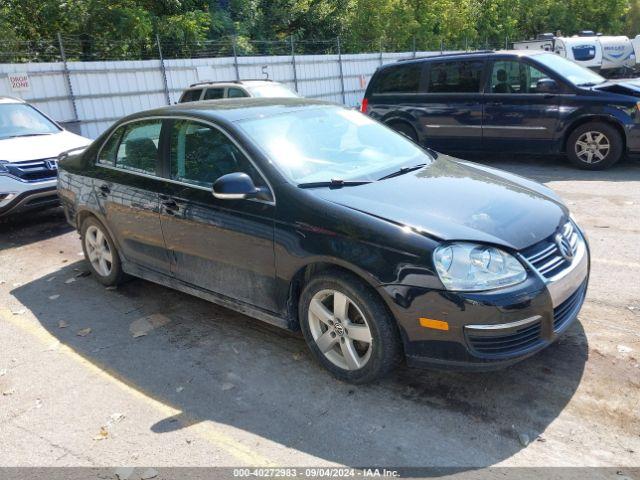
point(331, 143)
point(273, 90)
point(20, 120)
point(576, 74)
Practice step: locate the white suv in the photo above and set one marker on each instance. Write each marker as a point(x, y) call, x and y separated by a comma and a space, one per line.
point(237, 89)
point(30, 143)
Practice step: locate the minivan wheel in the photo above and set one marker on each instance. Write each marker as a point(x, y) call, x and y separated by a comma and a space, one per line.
point(404, 129)
point(594, 146)
point(100, 253)
point(347, 328)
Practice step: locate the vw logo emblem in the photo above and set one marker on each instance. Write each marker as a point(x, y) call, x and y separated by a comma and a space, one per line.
point(564, 246)
point(339, 329)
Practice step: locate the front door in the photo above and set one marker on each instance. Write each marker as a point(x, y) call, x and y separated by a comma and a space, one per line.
point(518, 118)
point(127, 185)
point(452, 116)
point(224, 246)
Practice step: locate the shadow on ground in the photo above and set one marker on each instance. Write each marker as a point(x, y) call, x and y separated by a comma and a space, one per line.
point(214, 364)
point(29, 227)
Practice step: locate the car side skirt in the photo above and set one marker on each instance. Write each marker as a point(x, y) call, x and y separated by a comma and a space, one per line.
point(230, 303)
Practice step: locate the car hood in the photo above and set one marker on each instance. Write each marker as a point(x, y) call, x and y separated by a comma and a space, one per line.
point(623, 86)
point(456, 200)
point(19, 149)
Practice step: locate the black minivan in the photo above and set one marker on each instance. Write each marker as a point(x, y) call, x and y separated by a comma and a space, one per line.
point(509, 101)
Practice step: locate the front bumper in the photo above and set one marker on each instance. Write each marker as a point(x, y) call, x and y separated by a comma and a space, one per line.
point(17, 196)
point(490, 330)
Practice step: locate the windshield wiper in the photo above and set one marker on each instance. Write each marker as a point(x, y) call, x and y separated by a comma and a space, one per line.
point(28, 135)
point(589, 84)
point(402, 171)
point(334, 183)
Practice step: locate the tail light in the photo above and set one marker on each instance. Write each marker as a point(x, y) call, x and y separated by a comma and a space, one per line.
point(365, 105)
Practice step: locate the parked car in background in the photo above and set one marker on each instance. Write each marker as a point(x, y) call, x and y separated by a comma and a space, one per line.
point(30, 143)
point(509, 101)
point(311, 216)
point(235, 89)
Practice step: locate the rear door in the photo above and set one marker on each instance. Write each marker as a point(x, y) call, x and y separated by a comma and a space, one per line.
point(127, 184)
point(224, 246)
point(518, 118)
point(451, 117)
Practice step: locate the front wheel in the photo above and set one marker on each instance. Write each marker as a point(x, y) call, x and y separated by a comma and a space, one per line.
point(347, 328)
point(594, 146)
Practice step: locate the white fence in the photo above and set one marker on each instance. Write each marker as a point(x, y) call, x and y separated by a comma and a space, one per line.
point(90, 96)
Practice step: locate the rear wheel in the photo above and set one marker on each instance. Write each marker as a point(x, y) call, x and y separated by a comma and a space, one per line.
point(348, 328)
point(405, 129)
point(594, 146)
point(100, 253)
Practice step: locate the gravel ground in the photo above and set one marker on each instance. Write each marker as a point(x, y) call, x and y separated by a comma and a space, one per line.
point(162, 378)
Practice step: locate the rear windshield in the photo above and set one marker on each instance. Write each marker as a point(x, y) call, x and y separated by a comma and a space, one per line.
point(191, 96)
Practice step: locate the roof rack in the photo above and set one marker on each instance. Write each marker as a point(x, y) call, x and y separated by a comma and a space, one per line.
point(452, 54)
point(238, 82)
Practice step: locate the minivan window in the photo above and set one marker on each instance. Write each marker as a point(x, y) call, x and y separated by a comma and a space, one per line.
point(512, 76)
point(399, 79)
point(455, 77)
point(138, 150)
point(191, 96)
point(201, 154)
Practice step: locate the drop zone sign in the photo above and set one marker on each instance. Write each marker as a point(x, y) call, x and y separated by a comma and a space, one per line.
point(19, 82)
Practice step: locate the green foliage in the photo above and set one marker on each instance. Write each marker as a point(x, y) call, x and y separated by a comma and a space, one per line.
point(127, 28)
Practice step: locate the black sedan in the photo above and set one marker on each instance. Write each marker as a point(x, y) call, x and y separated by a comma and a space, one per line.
point(317, 218)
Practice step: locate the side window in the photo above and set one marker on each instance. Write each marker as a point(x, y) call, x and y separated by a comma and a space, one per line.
point(138, 150)
point(512, 76)
point(233, 92)
point(399, 79)
point(107, 155)
point(214, 94)
point(191, 96)
point(455, 77)
point(201, 154)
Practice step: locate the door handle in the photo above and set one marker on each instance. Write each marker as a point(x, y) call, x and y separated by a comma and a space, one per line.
point(105, 189)
point(171, 207)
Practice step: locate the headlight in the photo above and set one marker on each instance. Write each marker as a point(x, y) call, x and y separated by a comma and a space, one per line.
point(473, 267)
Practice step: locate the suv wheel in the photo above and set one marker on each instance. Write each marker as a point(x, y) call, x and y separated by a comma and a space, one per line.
point(404, 129)
point(100, 253)
point(348, 329)
point(594, 146)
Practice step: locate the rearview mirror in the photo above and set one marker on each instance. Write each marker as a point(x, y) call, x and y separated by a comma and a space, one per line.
point(235, 186)
point(546, 85)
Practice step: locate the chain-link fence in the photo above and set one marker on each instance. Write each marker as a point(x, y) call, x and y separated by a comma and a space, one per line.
point(88, 84)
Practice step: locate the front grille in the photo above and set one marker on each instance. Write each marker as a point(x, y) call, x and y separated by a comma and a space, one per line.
point(506, 343)
point(34, 170)
point(545, 256)
point(567, 310)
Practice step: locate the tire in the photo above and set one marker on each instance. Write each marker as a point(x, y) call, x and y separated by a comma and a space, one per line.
point(586, 144)
point(101, 253)
point(351, 360)
point(405, 129)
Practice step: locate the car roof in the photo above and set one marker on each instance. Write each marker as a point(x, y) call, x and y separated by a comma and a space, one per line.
point(232, 110)
point(223, 83)
point(11, 100)
point(470, 55)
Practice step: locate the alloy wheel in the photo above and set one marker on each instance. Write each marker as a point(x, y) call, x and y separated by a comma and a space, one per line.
point(340, 329)
point(592, 147)
point(98, 251)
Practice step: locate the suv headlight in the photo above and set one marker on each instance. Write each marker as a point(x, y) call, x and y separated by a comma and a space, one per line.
point(472, 267)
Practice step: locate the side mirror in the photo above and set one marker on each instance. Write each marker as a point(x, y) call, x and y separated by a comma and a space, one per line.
point(546, 85)
point(235, 186)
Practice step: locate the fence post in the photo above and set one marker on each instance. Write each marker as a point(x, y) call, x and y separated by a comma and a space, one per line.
point(380, 52)
point(344, 99)
point(293, 64)
point(441, 46)
point(67, 77)
point(466, 43)
point(414, 46)
point(163, 70)
point(506, 42)
point(235, 58)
